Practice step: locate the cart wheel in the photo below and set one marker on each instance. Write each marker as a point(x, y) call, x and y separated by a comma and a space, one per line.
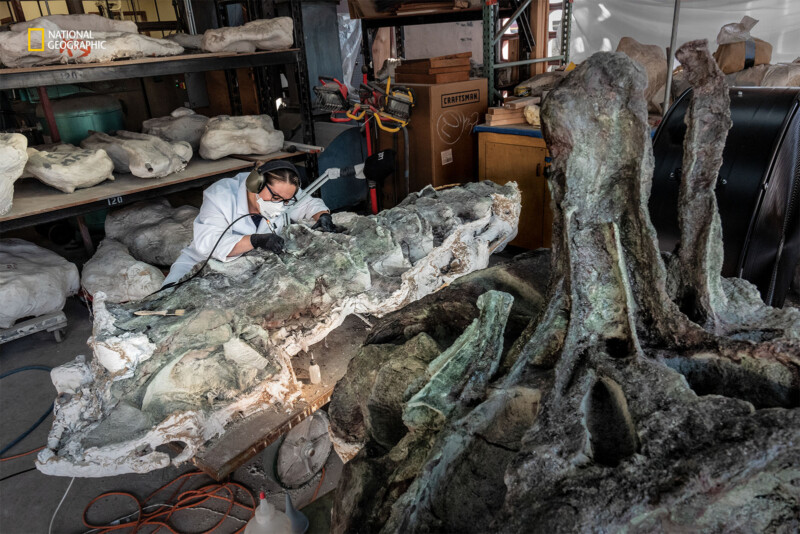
point(59, 334)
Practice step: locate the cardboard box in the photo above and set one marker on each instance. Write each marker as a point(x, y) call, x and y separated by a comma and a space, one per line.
point(443, 148)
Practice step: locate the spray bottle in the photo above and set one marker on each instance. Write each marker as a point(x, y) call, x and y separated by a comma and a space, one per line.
point(314, 375)
point(268, 520)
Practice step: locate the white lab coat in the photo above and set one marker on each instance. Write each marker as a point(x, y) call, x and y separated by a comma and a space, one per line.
point(223, 202)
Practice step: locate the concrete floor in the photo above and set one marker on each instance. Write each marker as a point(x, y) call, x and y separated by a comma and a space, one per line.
point(27, 501)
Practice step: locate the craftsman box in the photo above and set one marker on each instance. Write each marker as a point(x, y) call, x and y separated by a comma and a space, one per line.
point(443, 148)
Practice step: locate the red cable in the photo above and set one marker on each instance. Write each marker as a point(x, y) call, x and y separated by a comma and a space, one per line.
point(20, 455)
point(185, 500)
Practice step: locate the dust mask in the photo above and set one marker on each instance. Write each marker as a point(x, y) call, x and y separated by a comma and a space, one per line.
point(270, 209)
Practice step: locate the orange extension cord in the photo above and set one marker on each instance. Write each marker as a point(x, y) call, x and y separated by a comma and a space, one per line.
point(188, 499)
point(20, 455)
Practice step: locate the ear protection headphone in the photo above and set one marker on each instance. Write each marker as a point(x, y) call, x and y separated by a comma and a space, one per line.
point(256, 180)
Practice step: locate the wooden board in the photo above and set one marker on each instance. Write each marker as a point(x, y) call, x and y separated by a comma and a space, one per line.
point(504, 121)
point(246, 438)
point(520, 103)
point(453, 60)
point(32, 197)
point(432, 78)
point(505, 112)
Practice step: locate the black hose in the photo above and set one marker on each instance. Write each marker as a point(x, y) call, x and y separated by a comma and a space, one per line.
point(44, 415)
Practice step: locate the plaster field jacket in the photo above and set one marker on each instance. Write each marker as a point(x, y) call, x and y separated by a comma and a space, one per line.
point(223, 202)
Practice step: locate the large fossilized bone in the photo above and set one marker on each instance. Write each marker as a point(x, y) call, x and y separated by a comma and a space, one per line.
point(13, 157)
point(613, 411)
point(118, 275)
point(264, 34)
point(181, 125)
point(250, 134)
point(184, 378)
point(153, 231)
point(33, 281)
point(146, 156)
point(67, 167)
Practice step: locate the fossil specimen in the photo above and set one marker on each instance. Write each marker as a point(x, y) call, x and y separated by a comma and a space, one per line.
point(121, 277)
point(67, 167)
point(181, 125)
point(153, 231)
point(12, 162)
point(250, 134)
point(33, 281)
point(613, 410)
point(146, 156)
point(49, 46)
point(82, 22)
point(263, 34)
point(158, 380)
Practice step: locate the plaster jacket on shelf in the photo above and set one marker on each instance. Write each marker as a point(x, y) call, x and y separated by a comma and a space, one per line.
point(12, 162)
point(50, 46)
point(33, 281)
point(67, 167)
point(249, 134)
point(182, 124)
point(82, 22)
point(142, 155)
point(153, 231)
point(185, 378)
point(121, 277)
point(262, 34)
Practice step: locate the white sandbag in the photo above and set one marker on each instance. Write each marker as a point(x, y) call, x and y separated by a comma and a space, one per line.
point(250, 134)
point(153, 231)
point(67, 167)
point(119, 275)
point(262, 34)
point(182, 124)
point(33, 281)
point(12, 162)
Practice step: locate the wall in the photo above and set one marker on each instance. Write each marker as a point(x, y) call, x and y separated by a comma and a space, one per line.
point(432, 40)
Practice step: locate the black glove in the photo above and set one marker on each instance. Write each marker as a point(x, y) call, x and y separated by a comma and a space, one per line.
point(271, 242)
point(325, 224)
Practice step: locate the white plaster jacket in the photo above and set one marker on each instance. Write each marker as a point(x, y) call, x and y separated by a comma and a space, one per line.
point(223, 202)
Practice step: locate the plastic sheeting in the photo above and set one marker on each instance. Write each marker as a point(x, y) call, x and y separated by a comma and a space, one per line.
point(600, 25)
point(350, 44)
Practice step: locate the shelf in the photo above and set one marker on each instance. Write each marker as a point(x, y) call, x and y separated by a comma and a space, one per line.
point(20, 78)
point(36, 203)
point(456, 15)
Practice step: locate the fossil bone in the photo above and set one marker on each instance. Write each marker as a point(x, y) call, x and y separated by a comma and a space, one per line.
point(67, 167)
point(612, 411)
point(153, 231)
point(182, 124)
point(262, 34)
point(250, 134)
point(146, 156)
point(33, 281)
point(12, 162)
point(117, 274)
point(184, 378)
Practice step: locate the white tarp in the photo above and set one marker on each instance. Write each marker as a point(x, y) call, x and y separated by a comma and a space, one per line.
point(600, 25)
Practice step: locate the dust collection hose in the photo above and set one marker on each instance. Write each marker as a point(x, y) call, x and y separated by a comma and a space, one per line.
point(41, 419)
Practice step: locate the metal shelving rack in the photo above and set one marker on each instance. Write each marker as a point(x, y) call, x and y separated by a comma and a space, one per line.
point(489, 14)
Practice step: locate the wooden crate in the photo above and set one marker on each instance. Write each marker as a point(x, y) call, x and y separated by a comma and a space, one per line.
point(506, 158)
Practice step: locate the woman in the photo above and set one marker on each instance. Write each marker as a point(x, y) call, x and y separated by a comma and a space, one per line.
point(264, 195)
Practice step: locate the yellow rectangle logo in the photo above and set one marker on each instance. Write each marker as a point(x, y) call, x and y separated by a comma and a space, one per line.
point(30, 30)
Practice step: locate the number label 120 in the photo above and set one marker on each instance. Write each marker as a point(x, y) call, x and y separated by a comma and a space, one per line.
point(113, 201)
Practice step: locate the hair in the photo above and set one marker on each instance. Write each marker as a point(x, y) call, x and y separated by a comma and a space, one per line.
point(282, 175)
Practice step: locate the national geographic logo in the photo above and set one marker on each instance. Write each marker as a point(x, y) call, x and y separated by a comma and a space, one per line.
point(459, 99)
point(64, 41)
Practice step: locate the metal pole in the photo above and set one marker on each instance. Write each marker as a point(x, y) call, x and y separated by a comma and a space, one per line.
point(670, 56)
point(511, 21)
point(507, 64)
